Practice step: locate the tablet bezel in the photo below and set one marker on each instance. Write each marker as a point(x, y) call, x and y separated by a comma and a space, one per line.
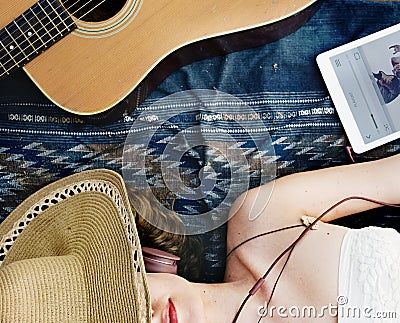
point(337, 93)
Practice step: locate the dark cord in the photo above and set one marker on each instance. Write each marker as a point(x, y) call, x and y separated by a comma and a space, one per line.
point(276, 284)
point(261, 235)
point(261, 280)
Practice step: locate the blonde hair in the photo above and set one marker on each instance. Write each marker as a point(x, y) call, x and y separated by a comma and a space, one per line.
point(149, 221)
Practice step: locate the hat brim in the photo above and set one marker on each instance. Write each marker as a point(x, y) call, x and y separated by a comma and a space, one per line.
point(70, 252)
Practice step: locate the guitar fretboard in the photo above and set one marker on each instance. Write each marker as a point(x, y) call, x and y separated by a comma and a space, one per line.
point(31, 33)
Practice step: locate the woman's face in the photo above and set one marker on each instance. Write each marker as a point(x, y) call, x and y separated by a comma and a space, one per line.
point(174, 299)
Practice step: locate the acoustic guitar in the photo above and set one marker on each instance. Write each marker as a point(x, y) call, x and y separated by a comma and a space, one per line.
point(86, 56)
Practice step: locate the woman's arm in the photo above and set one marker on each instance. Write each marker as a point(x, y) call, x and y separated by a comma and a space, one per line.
point(316, 191)
point(311, 193)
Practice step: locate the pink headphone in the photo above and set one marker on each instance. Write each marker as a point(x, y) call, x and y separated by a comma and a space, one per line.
point(158, 261)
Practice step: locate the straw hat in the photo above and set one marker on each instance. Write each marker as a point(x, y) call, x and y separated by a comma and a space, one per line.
point(71, 253)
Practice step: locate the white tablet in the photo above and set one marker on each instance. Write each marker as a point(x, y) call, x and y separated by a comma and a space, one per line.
point(363, 79)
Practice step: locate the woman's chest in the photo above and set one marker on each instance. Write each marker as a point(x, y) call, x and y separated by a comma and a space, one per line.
point(301, 284)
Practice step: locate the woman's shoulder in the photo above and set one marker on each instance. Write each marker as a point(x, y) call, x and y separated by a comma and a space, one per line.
point(267, 207)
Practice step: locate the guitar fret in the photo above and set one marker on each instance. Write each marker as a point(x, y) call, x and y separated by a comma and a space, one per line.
point(20, 35)
point(34, 33)
point(50, 20)
point(27, 40)
point(3, 70)
point(14, 48)
point(5, 41)
point(31, 33)
point(44, 21)
point(54, 19)
point(64, 16)
point(9, 64)
point(43, 28)
point(62, 21)
point(5, 48)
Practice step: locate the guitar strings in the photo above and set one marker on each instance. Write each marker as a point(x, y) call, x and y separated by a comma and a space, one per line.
point(89, 11)
point(46, 6)
point(66, 8)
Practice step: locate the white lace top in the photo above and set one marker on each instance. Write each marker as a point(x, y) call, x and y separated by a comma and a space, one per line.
point(369, 276)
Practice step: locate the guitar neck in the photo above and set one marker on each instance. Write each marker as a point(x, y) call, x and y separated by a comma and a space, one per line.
point(31, 33)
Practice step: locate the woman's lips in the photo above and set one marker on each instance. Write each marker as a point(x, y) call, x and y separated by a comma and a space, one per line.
point(169, 313)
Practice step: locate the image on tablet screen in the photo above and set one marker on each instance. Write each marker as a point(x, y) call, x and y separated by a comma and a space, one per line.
point(370, 78)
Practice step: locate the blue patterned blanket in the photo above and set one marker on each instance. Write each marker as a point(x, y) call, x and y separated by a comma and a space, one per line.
point(279, 82)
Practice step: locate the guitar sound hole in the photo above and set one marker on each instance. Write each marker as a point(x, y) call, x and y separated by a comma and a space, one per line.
point(93, 10)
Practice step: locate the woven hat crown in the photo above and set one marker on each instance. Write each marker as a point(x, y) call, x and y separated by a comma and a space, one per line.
point(70, 253)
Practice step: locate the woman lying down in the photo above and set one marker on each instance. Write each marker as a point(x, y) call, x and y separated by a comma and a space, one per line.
point(71, 253)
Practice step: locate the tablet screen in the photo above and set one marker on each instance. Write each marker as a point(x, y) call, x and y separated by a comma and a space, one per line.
point(367, 75)
point(363, 79)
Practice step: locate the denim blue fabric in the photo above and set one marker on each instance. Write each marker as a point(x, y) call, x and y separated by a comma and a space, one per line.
point(287, 65)
point(280, 81)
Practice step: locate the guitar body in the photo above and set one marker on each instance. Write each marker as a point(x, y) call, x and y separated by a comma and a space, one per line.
point(99, 63)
